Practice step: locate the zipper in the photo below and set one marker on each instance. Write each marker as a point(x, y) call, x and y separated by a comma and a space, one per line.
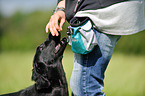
point(77, 5)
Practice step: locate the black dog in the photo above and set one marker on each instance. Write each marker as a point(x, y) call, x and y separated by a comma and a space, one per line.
point(48, 71)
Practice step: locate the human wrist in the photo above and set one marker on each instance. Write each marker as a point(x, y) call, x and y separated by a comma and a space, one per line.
point(59, 9)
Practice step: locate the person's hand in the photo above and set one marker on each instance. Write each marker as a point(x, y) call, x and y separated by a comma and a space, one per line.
point(55, 23)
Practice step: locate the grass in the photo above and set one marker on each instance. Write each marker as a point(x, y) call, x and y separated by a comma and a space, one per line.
point(125, 74)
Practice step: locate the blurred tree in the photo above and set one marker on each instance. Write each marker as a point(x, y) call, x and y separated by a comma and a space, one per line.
point(132, 44)
point(26, 31)
point(1, 31)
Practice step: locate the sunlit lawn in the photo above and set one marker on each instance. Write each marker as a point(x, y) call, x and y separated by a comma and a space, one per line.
point(125, 75)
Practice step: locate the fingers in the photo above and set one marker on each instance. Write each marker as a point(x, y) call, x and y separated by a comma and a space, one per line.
point(55, 24)
point(52, 26)
point(62, 21)
point(53, 30)
point(47, 26)
point(55, 21)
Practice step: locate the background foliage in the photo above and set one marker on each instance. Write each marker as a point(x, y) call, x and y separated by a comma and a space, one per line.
point(21, 33)
point(25, 31)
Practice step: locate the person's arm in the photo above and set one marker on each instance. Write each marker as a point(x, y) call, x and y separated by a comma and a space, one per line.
point(57, 20)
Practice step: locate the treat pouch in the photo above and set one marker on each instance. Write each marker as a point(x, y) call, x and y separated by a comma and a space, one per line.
point(82, 38)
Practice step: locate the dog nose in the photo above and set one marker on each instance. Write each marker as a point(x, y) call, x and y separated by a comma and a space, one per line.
point(64, 40)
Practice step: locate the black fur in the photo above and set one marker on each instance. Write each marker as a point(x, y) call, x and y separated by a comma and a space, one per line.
point(47, 72)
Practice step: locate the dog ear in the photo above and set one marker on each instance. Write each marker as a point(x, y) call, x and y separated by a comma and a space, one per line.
point(42, 84)
point(40, 77)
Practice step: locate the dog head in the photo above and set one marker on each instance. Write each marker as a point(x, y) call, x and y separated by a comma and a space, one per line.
point(47, 57)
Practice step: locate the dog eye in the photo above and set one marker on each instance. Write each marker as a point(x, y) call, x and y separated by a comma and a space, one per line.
point(41, 47)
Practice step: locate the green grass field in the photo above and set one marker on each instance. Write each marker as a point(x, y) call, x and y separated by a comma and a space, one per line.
point(125, 75)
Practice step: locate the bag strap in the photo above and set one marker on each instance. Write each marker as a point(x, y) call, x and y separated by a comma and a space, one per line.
point(78, 21)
